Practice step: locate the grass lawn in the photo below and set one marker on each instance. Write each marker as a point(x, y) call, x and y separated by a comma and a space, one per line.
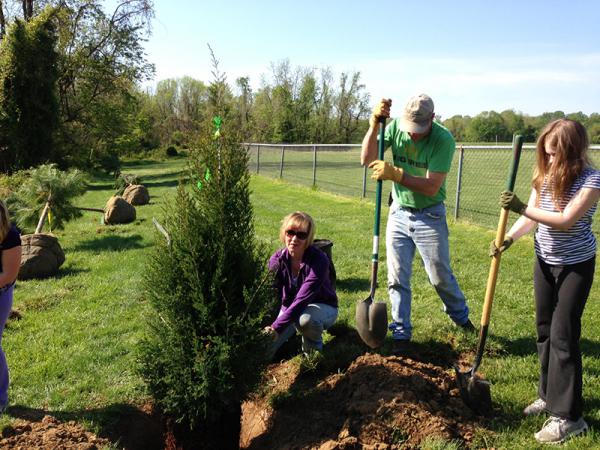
point(73, 352)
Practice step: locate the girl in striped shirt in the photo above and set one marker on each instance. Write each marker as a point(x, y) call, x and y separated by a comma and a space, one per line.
point(566, 189)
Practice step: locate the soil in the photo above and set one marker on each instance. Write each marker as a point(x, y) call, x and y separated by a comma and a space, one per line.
point(379, 402)
point(376, 401)
point(50, 434)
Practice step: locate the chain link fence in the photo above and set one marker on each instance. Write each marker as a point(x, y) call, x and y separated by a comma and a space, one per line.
point(476, 178)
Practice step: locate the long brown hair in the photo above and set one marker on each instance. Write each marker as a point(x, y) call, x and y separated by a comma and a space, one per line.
point(4, 221)
point(570, 141)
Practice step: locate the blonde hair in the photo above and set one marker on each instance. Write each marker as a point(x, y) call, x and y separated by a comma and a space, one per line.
point(4, 221)
point(298, 219)
point(570, 141)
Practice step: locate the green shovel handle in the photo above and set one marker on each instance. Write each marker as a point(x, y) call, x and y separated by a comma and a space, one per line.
point(512, 174)
point(381, 144)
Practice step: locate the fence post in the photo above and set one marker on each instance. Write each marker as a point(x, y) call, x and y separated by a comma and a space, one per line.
point(364, 186)
point(281, 163)
point(461, 155)
point(314, 165)
point(257, 159)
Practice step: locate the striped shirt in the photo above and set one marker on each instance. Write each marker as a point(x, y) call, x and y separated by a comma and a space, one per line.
point(578, 243)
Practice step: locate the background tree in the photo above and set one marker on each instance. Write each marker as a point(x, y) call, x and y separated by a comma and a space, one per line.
point(487, 126)
point(351, 105)
point(98, 59)
point(244, 107)
point(28, 102)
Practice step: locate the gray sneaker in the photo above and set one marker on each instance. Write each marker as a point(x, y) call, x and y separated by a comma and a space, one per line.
point(557, 430)
point(536, 408)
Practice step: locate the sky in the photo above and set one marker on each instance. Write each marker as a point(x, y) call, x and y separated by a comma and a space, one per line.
point(469, 56)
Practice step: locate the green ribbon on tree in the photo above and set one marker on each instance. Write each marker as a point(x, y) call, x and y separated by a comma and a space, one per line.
point(207, 177)
point(217, 122)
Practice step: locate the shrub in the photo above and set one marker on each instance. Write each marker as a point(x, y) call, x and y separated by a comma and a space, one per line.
point(209, 290)
point(109, 162)
point(124, 180)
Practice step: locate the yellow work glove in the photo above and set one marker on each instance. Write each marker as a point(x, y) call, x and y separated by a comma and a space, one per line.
point(383, 170)
point(381, 109)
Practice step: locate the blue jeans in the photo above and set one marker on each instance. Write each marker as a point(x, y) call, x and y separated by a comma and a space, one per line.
point(6, 301)
point(427, 231)
point(311, 323)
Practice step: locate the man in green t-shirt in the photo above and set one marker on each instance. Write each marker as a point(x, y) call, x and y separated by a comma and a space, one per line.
point(422, 151)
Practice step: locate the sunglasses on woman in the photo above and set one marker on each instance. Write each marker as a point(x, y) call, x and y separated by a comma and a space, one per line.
point(302, 235)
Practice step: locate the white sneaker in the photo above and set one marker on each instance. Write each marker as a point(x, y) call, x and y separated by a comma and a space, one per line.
point(557, 430)
point(535, 408)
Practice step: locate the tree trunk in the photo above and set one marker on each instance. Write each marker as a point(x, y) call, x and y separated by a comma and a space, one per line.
point(27, 9)
point(42, 220)
point(2, 21)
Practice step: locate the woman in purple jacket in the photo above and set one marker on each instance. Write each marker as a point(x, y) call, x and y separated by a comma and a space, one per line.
point(308, 299)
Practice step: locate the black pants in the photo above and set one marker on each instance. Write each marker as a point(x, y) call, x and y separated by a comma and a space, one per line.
point(560, 296)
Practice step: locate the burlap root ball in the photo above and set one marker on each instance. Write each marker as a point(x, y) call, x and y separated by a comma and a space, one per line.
point(136, 194)
point(117, 210)
point(41, 256)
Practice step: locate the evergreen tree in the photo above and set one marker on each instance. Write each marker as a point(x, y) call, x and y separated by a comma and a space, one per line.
point(45, 191)
point(209, 290)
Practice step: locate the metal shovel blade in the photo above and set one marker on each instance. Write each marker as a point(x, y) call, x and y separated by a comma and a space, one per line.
point(371, 322)
point(474, 391)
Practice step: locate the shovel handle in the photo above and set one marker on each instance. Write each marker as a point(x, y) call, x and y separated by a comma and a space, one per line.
point(381, 145)
point(500, 232)
point(495, 264)
point(376, 227)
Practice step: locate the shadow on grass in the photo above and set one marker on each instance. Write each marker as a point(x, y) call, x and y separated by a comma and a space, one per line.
point(101, 187)
point(157, 184)
point(173, 175)
point(111, 243)
point(526, 346)
point(352, 284)
point(139, 162)
point(69, 272)
point(128, 426)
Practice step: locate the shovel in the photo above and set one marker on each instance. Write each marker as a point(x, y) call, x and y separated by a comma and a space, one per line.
point(475, 392)
point(371, 316)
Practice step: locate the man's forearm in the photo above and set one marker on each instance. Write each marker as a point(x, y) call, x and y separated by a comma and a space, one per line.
point(428, 185)
point(369, 147)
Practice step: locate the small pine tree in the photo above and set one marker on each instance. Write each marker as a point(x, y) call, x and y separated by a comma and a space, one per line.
point(209, 290)
point(47, 185)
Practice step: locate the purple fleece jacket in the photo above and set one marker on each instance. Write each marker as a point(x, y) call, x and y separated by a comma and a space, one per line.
point(313, 286)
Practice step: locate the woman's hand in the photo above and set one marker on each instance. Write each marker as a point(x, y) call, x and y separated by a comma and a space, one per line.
point(270, 331)
point(509, 200)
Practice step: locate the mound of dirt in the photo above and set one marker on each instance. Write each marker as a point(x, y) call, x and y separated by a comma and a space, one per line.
point(50, 434)
point(379, 402)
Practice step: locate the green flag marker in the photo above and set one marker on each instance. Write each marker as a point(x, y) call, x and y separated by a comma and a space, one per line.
point(207, 177)
point(217, 122)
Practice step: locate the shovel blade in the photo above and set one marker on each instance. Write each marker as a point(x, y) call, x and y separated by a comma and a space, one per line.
point(371, 322)
point(474, 391)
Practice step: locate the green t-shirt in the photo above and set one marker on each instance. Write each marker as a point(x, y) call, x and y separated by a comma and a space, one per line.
point(434, 153)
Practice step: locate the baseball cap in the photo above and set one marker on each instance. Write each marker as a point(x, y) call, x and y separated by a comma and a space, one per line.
point(417, 114)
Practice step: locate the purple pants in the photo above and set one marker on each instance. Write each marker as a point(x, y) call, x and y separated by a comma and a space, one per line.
point(6, 301)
